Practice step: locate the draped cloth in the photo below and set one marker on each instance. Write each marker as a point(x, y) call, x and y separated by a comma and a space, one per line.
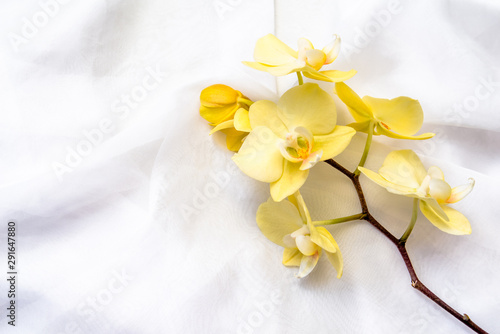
point(130, 218)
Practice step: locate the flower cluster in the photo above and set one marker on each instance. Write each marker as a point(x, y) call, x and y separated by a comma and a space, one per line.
point(279, 143)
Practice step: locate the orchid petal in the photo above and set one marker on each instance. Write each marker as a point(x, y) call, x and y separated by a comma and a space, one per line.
point(457, 223)
point(330, 75)
point(460, 192)
point(435, 173)
point(323, 238)
point(337, 261)
point(358, 109)
point(219, 96)
point(361, 126)
point(439, 190)
point(301, 206)
point(309, 106)
point(305, 245)
point(390, 186)
point(271, 51)
point(277, 219)
point(381, 130)
point(403, 167)
point(242, 120)
point(431, 205)
point(307, 264)
point(290, 181)
point(234, 139)
point(259, 156)
point(402, 114)
point(222, 126)
point(280, 70)
point(265, 113)
point(334, 143)
point(303, 45)
point(292, 257)
point(332, 50)
point(217, 115)
point(315, 58)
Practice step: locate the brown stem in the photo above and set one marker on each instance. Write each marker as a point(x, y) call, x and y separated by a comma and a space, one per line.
point(401, 246)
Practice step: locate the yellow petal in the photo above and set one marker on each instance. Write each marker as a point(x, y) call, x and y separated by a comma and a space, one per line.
point(217, 115)
point(361, 126)
point(265, 113)
point(332, 50)
point(337, 261)
point(433, 205)
point(271, 51)
point(307, 264)
point(259, 157)
point(234, 139)
point(242, 120)
point(460, 192)
point(358, 109)
point(439, 190)
point(284, 69)
point(291, 180)
point(315, 58)
point(334, 143)
point(381, 130)
point(305, 245)
point(222, 126)
point(292, 257)
point(391, 187)
point(435, 173)
point(308, 106)
point(402, 115)
point(278, 219)
point(323, 238)
point(403, 167)
point(457, 223)
point(330, 75)
point(218, 96)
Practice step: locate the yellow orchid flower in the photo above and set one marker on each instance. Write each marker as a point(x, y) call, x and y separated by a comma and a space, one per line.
point(289, 138)
point(398, 118)
point(275, 57)
point(404, 174)
point(288, 224)
point(219, 103)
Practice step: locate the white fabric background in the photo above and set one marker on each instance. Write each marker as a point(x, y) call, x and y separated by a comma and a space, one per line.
point(153, 230)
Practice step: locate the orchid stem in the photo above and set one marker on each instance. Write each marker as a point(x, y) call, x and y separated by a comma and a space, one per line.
point(401, 246)
point(340, 220)
point(299, 76)
point(367, 148)
point(414, 215)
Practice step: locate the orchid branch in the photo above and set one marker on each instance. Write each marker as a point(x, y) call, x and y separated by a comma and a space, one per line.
point(401, 246)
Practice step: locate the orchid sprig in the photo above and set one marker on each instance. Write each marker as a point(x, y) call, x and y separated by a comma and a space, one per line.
point(279, 143)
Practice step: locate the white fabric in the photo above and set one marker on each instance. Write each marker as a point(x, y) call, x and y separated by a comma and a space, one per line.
point(150, 228)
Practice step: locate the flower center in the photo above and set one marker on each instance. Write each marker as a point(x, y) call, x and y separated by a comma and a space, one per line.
point(316, 58)
point(297, 147)
point(301, 239)
point(435, 186)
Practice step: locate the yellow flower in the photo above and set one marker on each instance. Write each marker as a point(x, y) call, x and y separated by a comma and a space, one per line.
point(287, 139)
point(219, 103)
point(404, 174)
point(275, 57)
point(288, 224)
point(398, 118)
